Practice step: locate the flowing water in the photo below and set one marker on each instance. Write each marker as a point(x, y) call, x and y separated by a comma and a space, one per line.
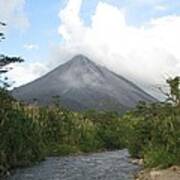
point(99, 166)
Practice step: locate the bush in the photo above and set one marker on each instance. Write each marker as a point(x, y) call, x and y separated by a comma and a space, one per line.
point(21, 140)
point(88, 142)
point(64, 149)
point(158, 157)
point(153, 134)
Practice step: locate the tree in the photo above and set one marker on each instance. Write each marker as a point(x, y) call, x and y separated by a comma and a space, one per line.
point(2, 34)
point(174, 84)
point(6, 60)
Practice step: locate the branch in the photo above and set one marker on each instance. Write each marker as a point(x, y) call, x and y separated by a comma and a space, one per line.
point(2, 23)
point(5, 60)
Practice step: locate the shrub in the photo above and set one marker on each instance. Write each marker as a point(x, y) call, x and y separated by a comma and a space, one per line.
point(158, 157)
point(153, 134)
point(63, 149)
point(21, 140)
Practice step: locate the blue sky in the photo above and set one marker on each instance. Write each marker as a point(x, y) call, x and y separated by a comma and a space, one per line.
point(42, 31)
point(44, 21)
point(134, 38)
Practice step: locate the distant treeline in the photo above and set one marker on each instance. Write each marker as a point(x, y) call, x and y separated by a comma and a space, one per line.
point(28, 134)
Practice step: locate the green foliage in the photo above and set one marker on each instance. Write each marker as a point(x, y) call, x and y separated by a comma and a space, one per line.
point(174, 95)
point(153, 131)
point(63, 149)
point(156, 127)
point(20, 143)
point(29, 133)
point(20, 138)
point(158, 157)
point(108, 129)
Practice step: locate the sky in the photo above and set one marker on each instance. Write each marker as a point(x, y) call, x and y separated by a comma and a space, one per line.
point(138, 39)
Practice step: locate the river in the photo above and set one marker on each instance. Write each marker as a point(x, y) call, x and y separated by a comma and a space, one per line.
point(113, 165)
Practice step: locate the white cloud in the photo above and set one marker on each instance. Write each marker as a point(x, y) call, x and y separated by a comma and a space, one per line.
point(31, 46)
point(146, 54)
point(13, 13)
point(72, 26)
point(24, 73)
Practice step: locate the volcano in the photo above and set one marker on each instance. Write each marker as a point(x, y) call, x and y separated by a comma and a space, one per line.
point(81, 84)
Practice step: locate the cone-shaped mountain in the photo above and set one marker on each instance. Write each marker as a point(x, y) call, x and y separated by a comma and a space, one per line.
point(81, 84)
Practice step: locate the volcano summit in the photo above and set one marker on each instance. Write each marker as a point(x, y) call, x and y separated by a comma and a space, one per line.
point(81, 84)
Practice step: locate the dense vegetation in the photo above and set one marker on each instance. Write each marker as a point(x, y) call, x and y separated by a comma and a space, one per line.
point(153, 130)
point(29, 133)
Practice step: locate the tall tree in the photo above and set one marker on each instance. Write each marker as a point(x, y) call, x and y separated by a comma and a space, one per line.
point(174, 84)
point(6, 60)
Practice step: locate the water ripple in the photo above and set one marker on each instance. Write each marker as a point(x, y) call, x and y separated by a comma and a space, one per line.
point(99, 166)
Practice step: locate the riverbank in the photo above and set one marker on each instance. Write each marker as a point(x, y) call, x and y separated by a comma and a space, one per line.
point(172, 173)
